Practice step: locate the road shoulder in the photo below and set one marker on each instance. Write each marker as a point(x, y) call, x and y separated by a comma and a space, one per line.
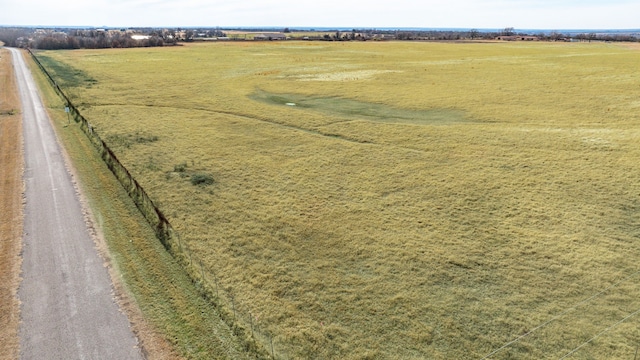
point(11, 214)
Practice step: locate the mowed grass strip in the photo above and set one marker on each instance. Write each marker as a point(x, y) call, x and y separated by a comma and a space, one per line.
point(355, 231)
point(168, 314)
point(11, 189)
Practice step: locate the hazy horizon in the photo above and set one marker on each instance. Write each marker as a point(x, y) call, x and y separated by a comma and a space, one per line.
point(461, 14)
point(323, 28)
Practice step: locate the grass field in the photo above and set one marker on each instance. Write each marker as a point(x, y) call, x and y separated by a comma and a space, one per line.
point(11, 188)
point(393, 200)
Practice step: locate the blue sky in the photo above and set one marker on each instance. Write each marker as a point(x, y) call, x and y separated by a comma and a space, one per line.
point(520, 14)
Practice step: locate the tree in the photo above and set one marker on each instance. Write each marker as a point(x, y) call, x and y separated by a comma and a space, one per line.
point(13, 37)
point(474, 33)
point(102, 43)
point(508, 31)
point(72, 43)
point(556, 36)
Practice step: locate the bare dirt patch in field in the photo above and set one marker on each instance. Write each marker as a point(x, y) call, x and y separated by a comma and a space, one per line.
point(10, 208)
point(343, 75)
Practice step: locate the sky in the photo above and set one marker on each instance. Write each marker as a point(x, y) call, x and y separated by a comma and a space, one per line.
point(485, 14)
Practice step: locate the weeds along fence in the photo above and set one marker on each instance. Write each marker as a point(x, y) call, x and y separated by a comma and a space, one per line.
point(257, 340)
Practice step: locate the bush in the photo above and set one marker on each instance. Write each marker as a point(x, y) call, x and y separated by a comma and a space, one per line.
point(143, 139)
point(201, 179)
point(180, 168)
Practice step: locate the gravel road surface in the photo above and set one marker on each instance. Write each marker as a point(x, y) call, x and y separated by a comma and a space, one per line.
point(67, 306)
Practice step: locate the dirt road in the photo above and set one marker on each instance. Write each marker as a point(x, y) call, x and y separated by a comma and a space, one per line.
point(67, 306)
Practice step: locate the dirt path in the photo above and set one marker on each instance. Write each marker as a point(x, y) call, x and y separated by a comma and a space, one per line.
point(67, 306)
point(10, 208)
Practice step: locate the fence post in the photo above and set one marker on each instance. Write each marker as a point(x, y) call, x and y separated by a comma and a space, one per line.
point(233, 306)
point(251, 321)
point(215, 278)
point(271, 342)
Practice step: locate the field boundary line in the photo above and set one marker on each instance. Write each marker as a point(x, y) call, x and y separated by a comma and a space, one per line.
point(564, 312)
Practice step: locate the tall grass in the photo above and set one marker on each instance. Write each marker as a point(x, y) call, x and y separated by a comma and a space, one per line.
point(395, 200)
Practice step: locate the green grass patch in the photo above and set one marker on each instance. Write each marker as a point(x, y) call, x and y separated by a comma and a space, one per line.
point(201, 179)
point(180, 168)
point(65, 74)
point(352, 109)
point(127, 140)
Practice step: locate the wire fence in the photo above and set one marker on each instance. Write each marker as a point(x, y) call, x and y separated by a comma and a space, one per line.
point(257, 339)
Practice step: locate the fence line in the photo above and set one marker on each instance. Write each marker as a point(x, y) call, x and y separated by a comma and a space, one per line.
point(602, 332)
point(244, 324)
point(561, 314)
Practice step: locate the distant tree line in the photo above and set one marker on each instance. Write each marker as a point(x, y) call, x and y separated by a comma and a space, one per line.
point(472, 34)
point(10, 36)
point(51, 39)
point(607, 37)
point(92, 40)
point(444, 35)
point(73, 38)
point(475, 34)
point(78, 39)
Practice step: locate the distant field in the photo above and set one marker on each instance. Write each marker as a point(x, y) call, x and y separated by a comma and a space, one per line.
point(394, 200)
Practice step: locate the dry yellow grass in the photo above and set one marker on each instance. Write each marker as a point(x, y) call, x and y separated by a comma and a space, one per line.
point(419, 200)
point(10, 207)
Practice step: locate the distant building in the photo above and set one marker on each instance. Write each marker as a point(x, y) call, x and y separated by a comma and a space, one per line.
point(517, 38)
point(271, 36)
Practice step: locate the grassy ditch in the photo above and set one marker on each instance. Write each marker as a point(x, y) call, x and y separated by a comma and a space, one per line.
point(419, 200)
point(168, 313)
point(11, 189)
